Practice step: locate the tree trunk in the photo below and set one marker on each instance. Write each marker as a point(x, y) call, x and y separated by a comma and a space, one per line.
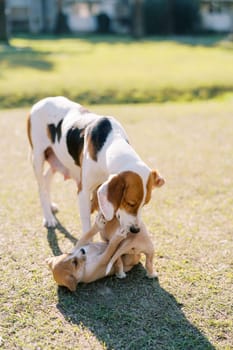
point(61, 22)
point(137, 20)
point(170, 19)
point(3, 22)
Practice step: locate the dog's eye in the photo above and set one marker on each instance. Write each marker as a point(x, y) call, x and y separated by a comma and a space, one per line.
point(118, 216)
point(131, 204)
point(82, 250)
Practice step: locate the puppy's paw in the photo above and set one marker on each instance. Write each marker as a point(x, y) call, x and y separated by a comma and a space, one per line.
point(50, 222)
point(121, 274)
point(154, 274)
point(100, 220)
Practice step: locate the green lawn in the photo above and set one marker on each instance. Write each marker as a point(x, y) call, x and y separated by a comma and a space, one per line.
point(115, 69)
point(191, 220)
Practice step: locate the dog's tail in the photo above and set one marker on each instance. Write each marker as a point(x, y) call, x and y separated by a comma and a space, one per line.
point(124, 247)
point(29, 137)
point(29, 129)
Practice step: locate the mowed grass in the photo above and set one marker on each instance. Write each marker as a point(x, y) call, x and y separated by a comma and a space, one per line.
point(115, 69)
point(191, 222)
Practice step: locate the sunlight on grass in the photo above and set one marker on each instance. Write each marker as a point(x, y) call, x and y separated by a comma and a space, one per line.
point(115, 70)
point(190, 219)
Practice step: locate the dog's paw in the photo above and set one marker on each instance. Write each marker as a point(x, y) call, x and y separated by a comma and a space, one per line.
point(121, 274)
point(152, 275)
point(54, 208)
point(100, 220)
point(50, 223)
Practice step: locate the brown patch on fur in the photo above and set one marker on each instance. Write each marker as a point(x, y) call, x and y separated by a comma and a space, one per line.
point(149, 187)
point(29, 130)
point(154, 180)
point(115, 190)
point(110, 229)
point(91, 148)
point(133, 193)
point(126, 191)
point(48, 153)
point(158, 181)
point(80, 186)
point(94, 201)
point(49, 134)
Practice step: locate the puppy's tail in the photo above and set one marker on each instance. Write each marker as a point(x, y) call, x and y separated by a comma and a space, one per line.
point(124, 247)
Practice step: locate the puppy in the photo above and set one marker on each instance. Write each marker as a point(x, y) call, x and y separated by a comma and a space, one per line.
point(88, 263)
point(92, 261)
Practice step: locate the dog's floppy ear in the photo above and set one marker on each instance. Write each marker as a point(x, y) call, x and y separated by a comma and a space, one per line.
point(105, 205)
point(110, 194)
point(71, 283)
point(158, 181)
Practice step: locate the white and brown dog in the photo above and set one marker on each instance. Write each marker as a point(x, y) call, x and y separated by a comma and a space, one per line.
point(92, 261)
point(93, 150)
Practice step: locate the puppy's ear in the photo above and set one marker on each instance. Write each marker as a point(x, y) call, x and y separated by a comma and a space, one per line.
point(157, 179)
point(71, 283)
point(105, 205)
point(110, 195)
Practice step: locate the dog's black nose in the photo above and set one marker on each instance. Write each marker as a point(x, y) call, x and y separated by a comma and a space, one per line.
point(134, 229)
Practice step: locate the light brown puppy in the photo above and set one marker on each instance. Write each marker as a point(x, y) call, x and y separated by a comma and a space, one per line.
point(86, 264)
point(92, 261)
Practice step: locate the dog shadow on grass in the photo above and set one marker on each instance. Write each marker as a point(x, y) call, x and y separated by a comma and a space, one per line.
point(52, 237)
point(134, 313)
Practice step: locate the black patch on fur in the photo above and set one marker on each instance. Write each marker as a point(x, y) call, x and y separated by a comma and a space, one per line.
point(99, 134)
point(75, 140)
point(55, 131)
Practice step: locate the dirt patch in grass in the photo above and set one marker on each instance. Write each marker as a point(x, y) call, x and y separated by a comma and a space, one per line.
point(190, 218)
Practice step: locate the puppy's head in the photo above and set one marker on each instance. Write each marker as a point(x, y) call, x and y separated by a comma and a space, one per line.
point(124, 195)
point(67, 269)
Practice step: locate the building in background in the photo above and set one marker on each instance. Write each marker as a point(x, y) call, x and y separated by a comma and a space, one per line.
point(217, 15)
point(41, 16)
point(30, 16)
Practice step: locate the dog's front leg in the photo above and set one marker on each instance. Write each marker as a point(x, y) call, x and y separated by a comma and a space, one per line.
point(151, 273)
point(85, 209)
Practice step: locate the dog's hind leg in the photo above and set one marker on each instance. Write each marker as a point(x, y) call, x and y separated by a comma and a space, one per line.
point(119, 268)
point(48, 176)
point(43, 185)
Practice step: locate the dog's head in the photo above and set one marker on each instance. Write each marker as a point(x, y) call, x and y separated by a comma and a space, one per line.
point(67, 269)
point(124, 195)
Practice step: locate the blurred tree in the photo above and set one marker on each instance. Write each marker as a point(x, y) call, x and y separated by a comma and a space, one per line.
point(137, 19)
point(171, 16)
point(61, 23)
point(186, 16)
point(3, 23)
point(158, 16)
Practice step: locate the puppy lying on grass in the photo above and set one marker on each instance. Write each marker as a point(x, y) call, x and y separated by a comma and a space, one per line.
point(91, 261)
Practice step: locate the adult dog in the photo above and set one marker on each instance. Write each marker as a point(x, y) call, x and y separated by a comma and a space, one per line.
point(92, 261)
point(93, 150)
